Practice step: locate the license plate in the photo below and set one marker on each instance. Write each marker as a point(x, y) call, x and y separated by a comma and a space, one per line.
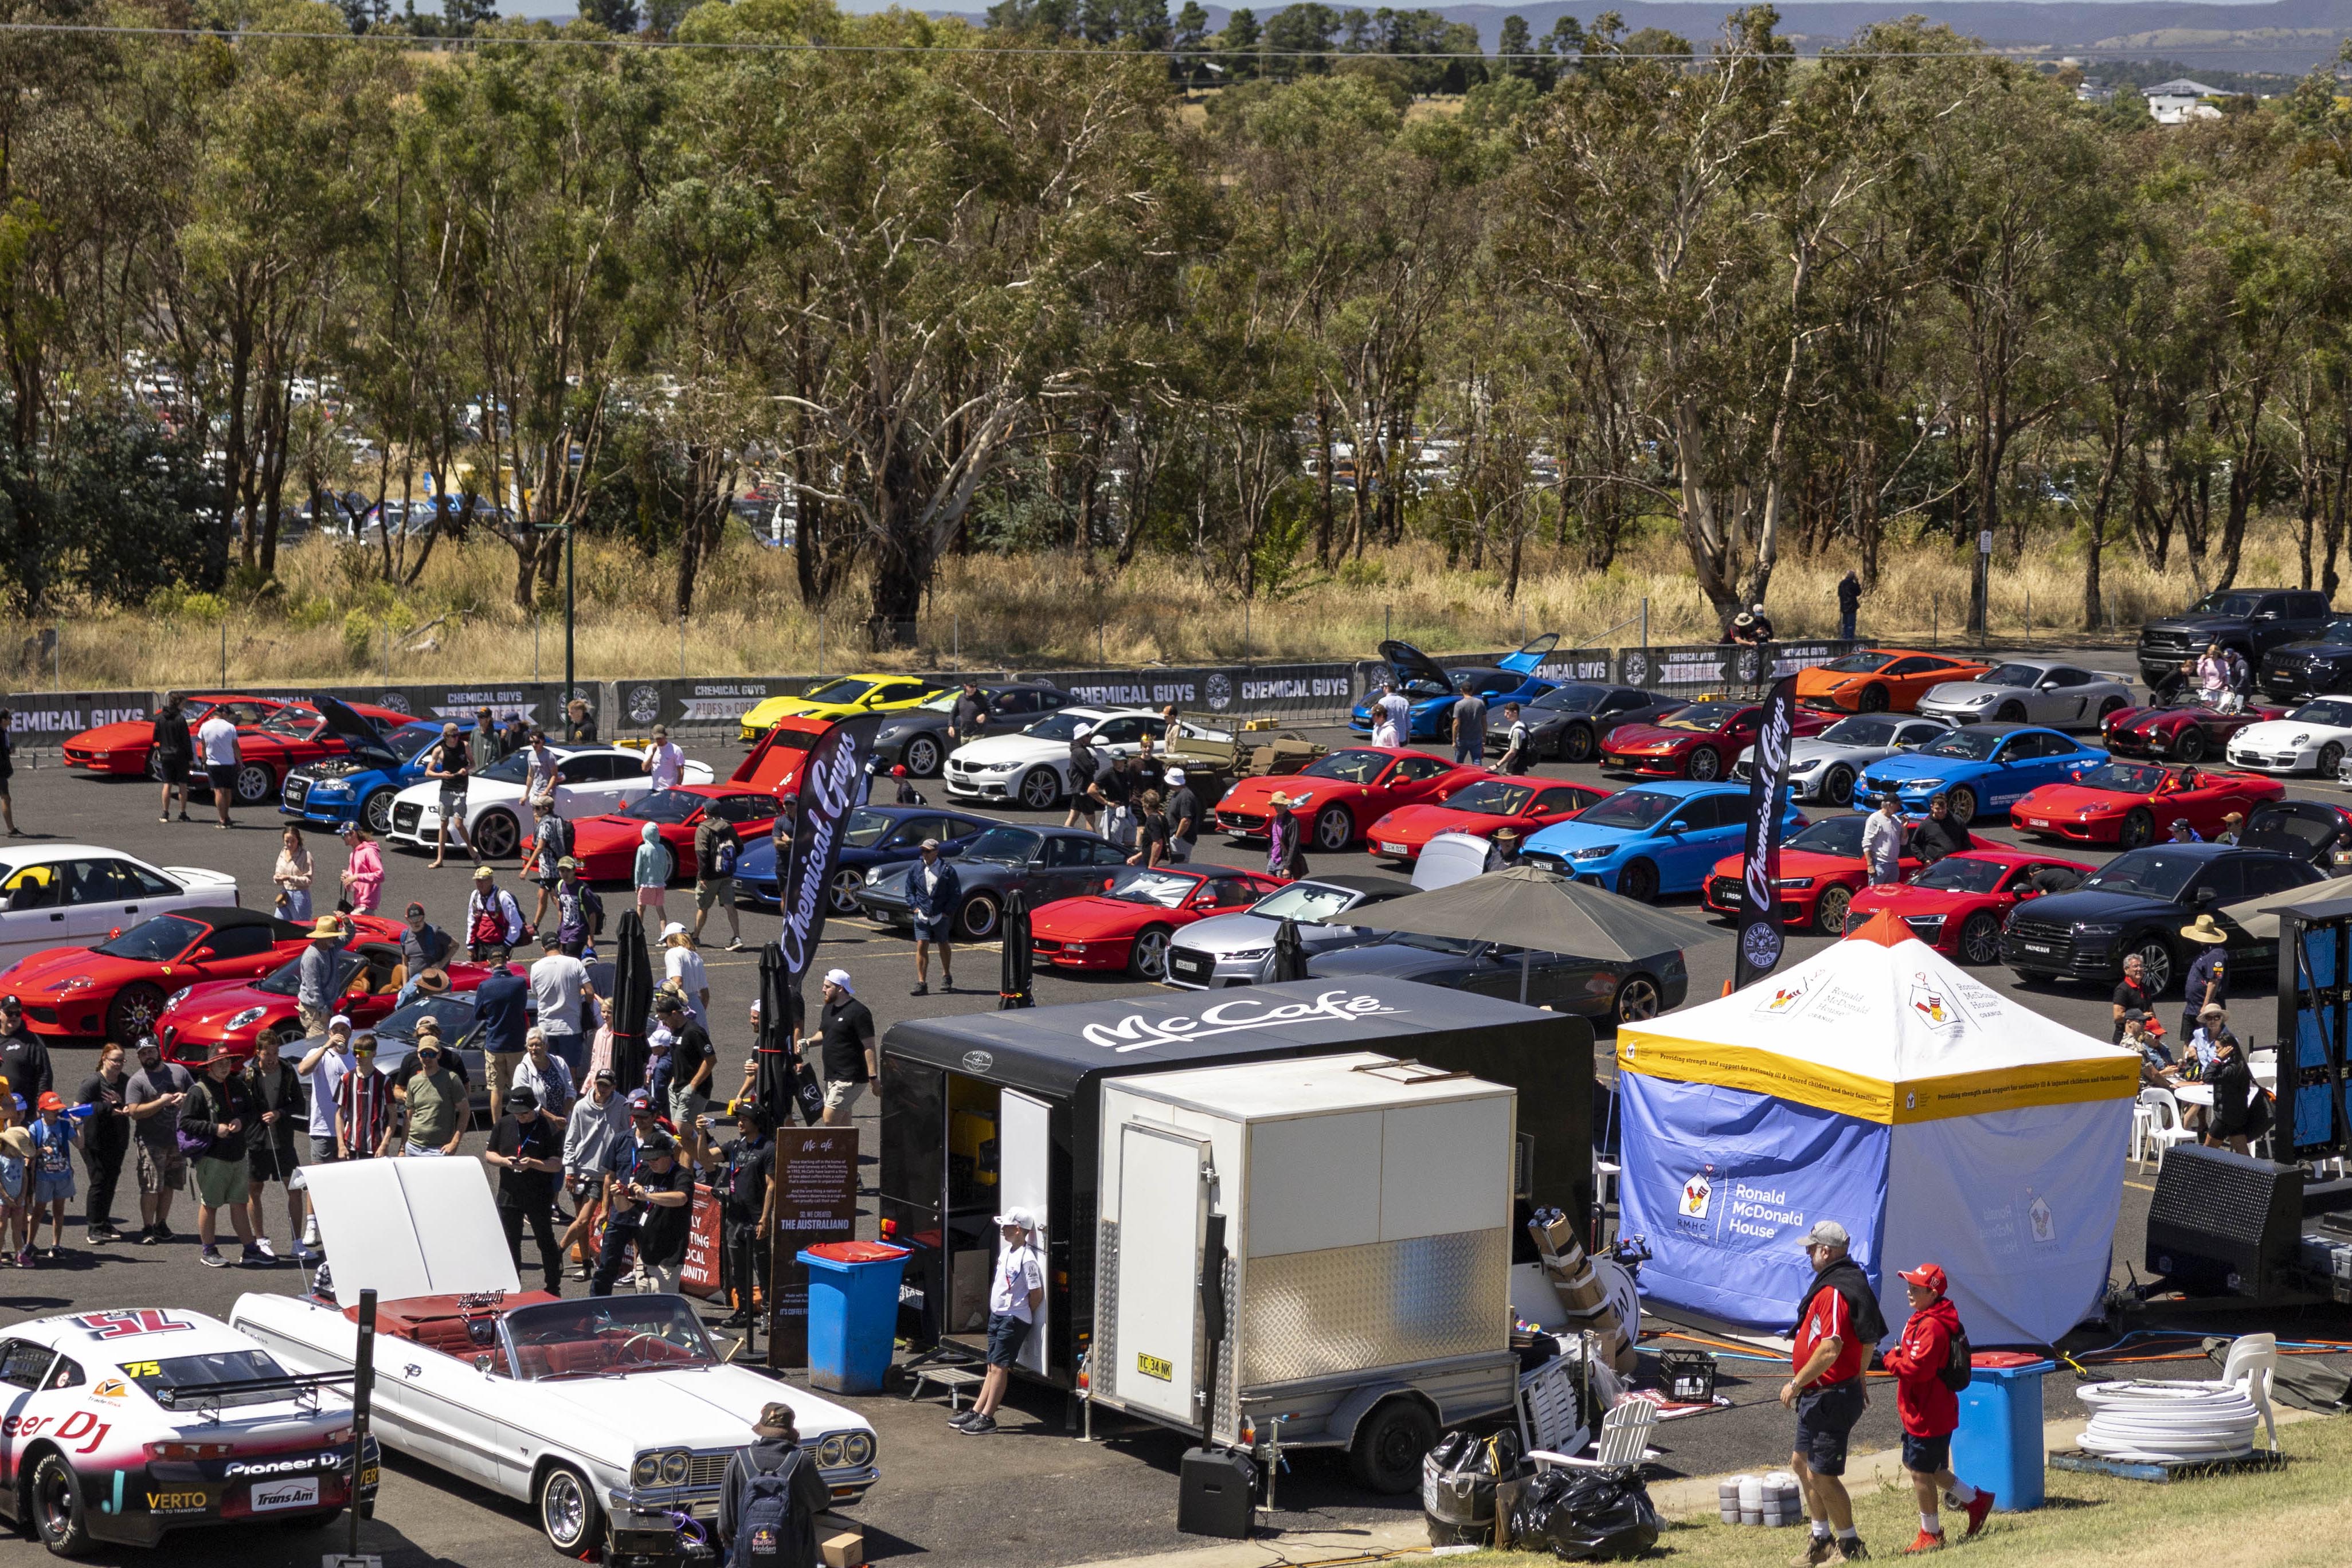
point(2033, 946)
point(1186, 965)
point(296, 1491)
point(1390, 849)
point(2037, 821)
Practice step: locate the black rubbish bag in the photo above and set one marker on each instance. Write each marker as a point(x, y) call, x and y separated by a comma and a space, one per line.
point(1458, 1485)
point(1586, 1516)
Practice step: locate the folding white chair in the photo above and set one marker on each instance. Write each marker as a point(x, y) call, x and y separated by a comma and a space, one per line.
point(1625, 1439)
point(2166, 1129)
point(2252, 1362)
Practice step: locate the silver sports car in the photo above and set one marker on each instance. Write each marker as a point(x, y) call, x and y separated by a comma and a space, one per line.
point(2031, 691)
point(1238, 950)
point(1824, 767)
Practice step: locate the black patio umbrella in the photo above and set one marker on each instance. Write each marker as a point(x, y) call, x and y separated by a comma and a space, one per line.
point(632, 1002)
point(1289, 954)
point(1013, 985)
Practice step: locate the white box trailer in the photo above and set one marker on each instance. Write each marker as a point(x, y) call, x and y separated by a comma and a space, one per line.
point(1365, 1205)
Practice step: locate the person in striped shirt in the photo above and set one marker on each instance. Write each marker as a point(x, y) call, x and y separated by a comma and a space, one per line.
point(363, 1105)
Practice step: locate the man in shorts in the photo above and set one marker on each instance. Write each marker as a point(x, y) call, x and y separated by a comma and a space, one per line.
point(217, 739)
point(220, 1107)
point(846, 1038)
point(716, 845)
point(1837, 1324)
point(151, 1098)
point(935, 893)
point(1016, 1296)
point(324, 1067)
point(1931, 1407)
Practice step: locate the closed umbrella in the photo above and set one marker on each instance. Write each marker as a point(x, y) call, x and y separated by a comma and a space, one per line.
point(632, 1001)
point(1013, 985)
point(1289, 954)
point(776, 1082)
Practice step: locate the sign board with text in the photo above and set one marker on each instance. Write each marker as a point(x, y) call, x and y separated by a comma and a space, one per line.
point(817, 1201)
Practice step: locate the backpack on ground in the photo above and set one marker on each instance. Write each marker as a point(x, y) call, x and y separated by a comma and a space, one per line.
point(769, 1531)
point(1960, 1362)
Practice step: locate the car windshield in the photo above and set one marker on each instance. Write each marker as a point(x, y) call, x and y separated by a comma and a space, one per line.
point(1475, 680)
point(606, 1336)
point(1063, 725)
point(1630, 808)
point(153, 941)
point(1701, 716)
point(867, 828)
point(670, 805)
point(186, 1372)
point(285, 979)
point(2159, 873)
point(1304, 901)
point(1004, 846)
point(294, 722)
point(1860, 732)
point(1860, 663)
point(1490, 797)
point(2010, 675)
point(408, 745)
point(1955, 874)
point(790, 739)
point(1137, 885)
point(2337, 714)
point(2126, 778)
point(842, 690)
point(1571, 699)
point(1975, 745)
point(1832, 836)
point(507, 769)
point(454, 1014)
point(1349, 766)
point(944, 703)
point(1457, 945)
point(2220, 603)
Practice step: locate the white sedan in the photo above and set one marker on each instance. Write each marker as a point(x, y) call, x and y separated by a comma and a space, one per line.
point(590, 780)
point(606, 1413)
point(1034, 766)
point(63, 896)
point(2314, 738)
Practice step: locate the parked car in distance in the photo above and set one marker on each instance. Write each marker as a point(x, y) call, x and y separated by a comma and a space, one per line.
point(2317, 666)
point(2180, 731)
point(1570, 723)
point(870, 837)
point(1032, 766)
point(1129, 924)
point(198, 1017)
point(1651, 839)
point(1484, 808)
point(838, 697)
point(1237, 949)
point(1342, 795)
point(1881, 680)
point(1698, 742)
point(589, 780)
point(1981, 769)
point(2130, 804)
point(2304, 829)
point(2253, 621)
point(282, 741)
point(2137, 903)
point(1430, 689)
point(126, 746)
point(606, 846)
point(1609, 991)
point(1959, 904)
point(1824, 767)
point(2314, 738)
point(359, 785)
point(2031, 691)
point(1042, 864)
point(1822, 870)
point(54, 895)
point(917, 737)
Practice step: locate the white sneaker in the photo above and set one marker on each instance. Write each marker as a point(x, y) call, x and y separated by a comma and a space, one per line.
point(261, 1245)
point(311, 1231)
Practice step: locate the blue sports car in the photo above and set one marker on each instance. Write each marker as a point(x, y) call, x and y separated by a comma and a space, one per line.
point(359, 784)
point(1432, 689)
point(1651, 839)
point(875, 835)
point(1984, 769)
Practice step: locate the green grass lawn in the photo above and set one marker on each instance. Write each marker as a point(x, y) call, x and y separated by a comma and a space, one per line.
point(2300, 1516)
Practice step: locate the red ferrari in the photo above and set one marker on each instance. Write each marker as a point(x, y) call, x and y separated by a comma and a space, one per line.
point(1959, 904)
point(118, 988)
point(232, 1012)
point(1130, 924)
point(1484, 807)
point(2128, 804)
point(775, 764)
point(1698, 742)
point(606, 846)
point(1343, 794)
point(1821, 872)
point(125, 746)
point(295, 734)
point(2188, 733)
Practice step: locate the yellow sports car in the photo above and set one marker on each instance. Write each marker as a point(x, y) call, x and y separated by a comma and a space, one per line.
point(839, 696)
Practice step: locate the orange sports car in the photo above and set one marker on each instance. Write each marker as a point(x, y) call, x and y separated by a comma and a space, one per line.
point(1881, 680)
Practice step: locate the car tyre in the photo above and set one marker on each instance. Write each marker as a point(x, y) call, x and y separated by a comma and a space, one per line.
point(2011, 713)
point(1961, 802)
point(568, 1513)
point(2137, 830)
point(1147, 955)
point(1706, 765)
point(2192, 745)
point(2331, 757)
point(60, 1514)
point(845, 883)
point(923, 758)
point(134, 1012)
point(1637, 999)
point(978, 918)
point(1040, 789)
point(375, 811)
point(494, 835)
point(1335, 829)
point(1981, 939)
point(1873, 699)
point(2156, 962)
point(1838, 788)
point(1576, 743)
point(1390, 1445)
point(256, 785)
point(1829, 910)
point(2114, 705)
point(1639, 881)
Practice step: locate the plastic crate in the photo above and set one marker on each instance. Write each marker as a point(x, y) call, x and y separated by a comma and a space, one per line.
point(1686, 1377)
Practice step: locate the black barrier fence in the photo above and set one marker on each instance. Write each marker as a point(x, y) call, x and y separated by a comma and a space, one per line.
point(1720, 665)
point(44, 721)
point(1566, 664)
point(1241, 690)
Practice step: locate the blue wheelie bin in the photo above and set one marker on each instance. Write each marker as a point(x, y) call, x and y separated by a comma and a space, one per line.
point(1998, 1446)
point(853, 1313)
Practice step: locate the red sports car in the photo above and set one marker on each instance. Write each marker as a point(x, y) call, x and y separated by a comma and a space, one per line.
point(295, 735)
point(126, 745)
point(1959, 904)
point(606, 846)
point(2128, 804)
point(2188, 732)
point(775, 764)
point(1698, 742)
point(1130, 923)
point(117, 987)
point(1821, 872)
point(232, 1012)
point(1343, 794)
point(1484, 807)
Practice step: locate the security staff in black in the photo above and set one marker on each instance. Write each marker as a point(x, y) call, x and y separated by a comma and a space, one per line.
point(742, 1175)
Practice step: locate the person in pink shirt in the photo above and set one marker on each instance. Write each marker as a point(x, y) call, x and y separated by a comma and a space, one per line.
point(363, 877)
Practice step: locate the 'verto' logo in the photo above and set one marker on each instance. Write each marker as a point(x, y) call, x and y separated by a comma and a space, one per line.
point(284, 1467)
point(178, 1502)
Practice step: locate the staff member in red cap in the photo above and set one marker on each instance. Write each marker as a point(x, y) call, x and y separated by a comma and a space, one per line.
point(1931, 1407)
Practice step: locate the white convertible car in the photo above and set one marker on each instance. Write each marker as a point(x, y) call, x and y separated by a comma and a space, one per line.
point(590, 781)
point(606, 1413)
point(1034, 766)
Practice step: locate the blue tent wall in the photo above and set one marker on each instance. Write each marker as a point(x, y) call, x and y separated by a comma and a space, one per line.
point(1769, 1170)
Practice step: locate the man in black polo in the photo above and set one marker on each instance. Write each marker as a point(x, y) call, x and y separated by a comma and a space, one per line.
point(845, 1035)
point(968, 721)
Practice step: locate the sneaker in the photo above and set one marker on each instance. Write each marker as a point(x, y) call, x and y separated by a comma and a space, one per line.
point(104, 1233)
point(736, 1321)
point(261, 1245)
point(147, 1237)
point(947, 986)
point(1819, 1549)
point(963, 1419)
point(164, 1232)
point(736, 945)
point(305, 1256)
point(978, 1426)
point(921, 991)
point(257, 1252)
point(1854, 1551)
point(25, 1259)
point(52, 1255)
point(211, 1258)
point(1978, 1510)
point(1925, 1541)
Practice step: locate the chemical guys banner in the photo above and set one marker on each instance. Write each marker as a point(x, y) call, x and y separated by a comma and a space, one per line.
point(1759, 865)
point(832, 783)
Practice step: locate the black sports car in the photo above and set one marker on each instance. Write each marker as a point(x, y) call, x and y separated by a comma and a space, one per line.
point(1605, 990)
point(1567, 723)
point(875, 835)
point(1045, 864)
point(918, 736)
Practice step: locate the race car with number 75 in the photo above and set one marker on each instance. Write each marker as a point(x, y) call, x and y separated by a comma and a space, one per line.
point(122, 1426)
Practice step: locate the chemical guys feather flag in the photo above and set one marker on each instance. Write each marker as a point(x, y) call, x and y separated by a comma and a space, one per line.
point(1759, 861)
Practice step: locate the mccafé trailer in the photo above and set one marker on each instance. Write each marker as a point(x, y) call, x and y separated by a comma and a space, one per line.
point(993, 1110)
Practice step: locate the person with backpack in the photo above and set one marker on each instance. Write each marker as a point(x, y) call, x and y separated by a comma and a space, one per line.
point(551, 841)
point(773, 1494)
point(1931, 1366)
point(716, 845)
point(1838, 1321)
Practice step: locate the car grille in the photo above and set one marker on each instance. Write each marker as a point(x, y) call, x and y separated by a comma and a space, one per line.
point(2170, 643)
point(708, 1469)
point(2131, 743)
point(1240, 822)
point(1726, 891)
point(1186, 964)
point(2055, 933)
point(297, 790)
point(81, 753)
point(1044, 944)
point(405, 816)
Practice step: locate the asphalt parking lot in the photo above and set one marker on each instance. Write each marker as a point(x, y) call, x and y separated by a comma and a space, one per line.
point(1028, 1494)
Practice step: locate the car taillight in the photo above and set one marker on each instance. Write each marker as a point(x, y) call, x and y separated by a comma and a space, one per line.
point(190, 1450)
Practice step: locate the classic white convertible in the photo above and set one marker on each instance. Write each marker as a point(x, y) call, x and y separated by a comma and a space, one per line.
point(606, 1413)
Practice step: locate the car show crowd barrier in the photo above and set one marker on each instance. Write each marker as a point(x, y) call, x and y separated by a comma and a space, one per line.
point(41, 722)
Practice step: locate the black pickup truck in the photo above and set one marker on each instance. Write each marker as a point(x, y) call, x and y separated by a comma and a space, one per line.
point(2253, 621)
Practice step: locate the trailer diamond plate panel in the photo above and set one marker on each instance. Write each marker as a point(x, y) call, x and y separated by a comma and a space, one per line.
point(1309, 1314)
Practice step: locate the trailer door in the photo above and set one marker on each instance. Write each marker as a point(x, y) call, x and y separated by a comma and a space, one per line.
point(1024, 1153)
point(1163, 1186)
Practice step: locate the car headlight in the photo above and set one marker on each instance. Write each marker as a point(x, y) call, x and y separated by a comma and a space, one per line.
point(176, 998)
point(1917, 784)
point(1074, 948)
point(674, 1467)
point(250, 1016)
point(858, 1447)
point(873, 876)
point(1593, 852)
point(2300, 740)
point(1302, 799)
point(1794, 882)
point(1244, 955)
point(1807, 766)
point(2107, 928)
point(994, 766)
point(647, 1471)
point(77, 983)
point(829, 1451)
point(1984, 699)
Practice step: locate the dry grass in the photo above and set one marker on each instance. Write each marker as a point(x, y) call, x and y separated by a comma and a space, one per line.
point(327, 619)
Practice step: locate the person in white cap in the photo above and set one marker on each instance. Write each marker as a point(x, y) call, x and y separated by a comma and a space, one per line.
point(1838, 1322)
point(1015, 1297)
point(683, 965)
point(1182, 809)
point(845, 1037)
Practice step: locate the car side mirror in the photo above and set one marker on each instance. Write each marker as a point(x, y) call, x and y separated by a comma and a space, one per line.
point(2206, 895)
point(1676, 826)
point(2048, 686)
point(482, 1362)
point(202, 952)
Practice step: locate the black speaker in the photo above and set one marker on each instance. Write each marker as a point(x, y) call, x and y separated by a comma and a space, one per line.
point(2223, 1224)
point(1215, 1492)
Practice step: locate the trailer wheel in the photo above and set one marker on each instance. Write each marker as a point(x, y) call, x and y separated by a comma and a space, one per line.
point(1386, 1455)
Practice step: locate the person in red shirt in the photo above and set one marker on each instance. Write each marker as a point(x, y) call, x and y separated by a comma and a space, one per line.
point(1837, 1324)
point(1930, 1409)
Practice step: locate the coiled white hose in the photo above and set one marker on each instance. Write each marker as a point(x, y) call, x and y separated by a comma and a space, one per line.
point(2149, 1421)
